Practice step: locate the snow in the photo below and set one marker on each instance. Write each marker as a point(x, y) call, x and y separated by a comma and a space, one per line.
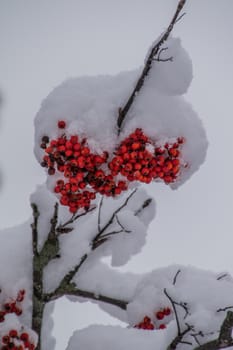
point(116, 228)
point(89, 106)
point(200, 291)
point(116, 338)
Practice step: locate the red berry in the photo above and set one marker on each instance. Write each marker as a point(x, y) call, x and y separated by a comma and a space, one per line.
point(13, 333)
point(159, 315)
point(162, 326)
point(61, 124)
point(5, 339)
point(24, 337)
point(167, 311)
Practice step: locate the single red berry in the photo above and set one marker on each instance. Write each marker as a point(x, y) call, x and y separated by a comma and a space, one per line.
point(24, 337)
point(5, 339)
point(167, 311)
point(61, 124)
point(159, 315)
point(162, 326)
point(13, 333)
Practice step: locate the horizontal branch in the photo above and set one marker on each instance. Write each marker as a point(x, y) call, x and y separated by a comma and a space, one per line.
point(73, 291)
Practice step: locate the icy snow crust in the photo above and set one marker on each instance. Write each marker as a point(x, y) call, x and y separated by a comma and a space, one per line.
point(90, 105)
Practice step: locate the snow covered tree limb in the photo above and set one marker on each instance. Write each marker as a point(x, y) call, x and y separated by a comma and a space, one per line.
point(34, 227)
point(71, 289)
point(155, 51)
point(51, 250)
point(225, 336)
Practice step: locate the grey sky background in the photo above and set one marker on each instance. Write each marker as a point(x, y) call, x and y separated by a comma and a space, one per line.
point(44, 42)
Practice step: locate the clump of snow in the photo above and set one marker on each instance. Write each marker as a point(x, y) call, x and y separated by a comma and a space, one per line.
point(174, 73)
point(90, 105)
point(125, 231)
point(118, 338)
point(201, 300)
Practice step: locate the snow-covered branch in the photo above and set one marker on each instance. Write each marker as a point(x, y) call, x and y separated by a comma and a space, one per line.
point(225, 336)
point(154, 54)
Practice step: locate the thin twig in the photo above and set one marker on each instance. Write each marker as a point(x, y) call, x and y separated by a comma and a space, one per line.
point(110, 221)
point(144, 205)
point(62, 227)
point(99, 213)
point(224, 309)
point(175, 311)
point(175, 277)
point(122, 112)
point(120, 224)
point(222, 276)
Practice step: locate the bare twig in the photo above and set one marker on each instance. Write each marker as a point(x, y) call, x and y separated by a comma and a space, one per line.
point(144, 205)
point(175, 311)
point(159, 59)
point(62, 228)
point(222, 276)
point(120, 224)
point(175, 277)
point(225, 308)
point(179, 339)
point(122, 112)
point(113, 216)
point(99, 213)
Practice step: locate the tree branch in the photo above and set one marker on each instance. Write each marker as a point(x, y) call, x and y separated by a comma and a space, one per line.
point(70, 289)
point(62, 228)
point(225, 339)
point(122, 112)
point(53, 221)
point(110, 221)
point(34, 226)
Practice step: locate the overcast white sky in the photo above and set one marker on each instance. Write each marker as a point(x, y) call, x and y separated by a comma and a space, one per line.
point(44, 42)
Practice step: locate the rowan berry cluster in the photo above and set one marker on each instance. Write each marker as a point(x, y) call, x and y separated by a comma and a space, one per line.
point(139, 159)
point(16, 340)
point(81, 169)
point(151, 324)
point(12, 306)
point(84, 174)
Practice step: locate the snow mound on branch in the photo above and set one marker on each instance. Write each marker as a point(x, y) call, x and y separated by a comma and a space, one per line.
point(101, 279)
point(122, 221)
point(174, 73)
point(201, 299)
point(117, 338)
point(16, 267)
point(90, 105)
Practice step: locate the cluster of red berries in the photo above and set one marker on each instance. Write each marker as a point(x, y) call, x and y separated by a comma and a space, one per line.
point(12, 306)
point(138, 159)
point(85, 173)
point(83, 176)
point(15, 340)
point(148, 324)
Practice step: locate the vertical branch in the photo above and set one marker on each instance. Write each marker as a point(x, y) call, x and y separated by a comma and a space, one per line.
point(34, 227)
point(122, 112)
